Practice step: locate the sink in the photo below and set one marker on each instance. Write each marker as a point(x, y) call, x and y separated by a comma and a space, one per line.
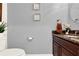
point(72, 36)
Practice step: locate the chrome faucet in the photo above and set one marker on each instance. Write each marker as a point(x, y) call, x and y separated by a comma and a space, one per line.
point(75, 32)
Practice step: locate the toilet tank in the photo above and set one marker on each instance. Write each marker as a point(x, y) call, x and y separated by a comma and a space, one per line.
point(3, 41)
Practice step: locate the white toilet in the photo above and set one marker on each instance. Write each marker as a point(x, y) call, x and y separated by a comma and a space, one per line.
point(9, 52)
point(12, 52)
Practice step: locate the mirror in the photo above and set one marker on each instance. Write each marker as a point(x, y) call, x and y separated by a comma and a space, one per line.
point(74, 12)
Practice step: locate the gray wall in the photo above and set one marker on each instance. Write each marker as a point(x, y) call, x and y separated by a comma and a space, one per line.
point(21, 26)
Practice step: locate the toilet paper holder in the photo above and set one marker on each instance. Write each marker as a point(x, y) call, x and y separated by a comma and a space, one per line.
point(29, 38)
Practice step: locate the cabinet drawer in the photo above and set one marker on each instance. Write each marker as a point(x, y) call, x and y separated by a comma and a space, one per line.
point(67, 45)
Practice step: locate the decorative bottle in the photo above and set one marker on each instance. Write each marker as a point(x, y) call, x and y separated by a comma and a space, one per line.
point(59, 27)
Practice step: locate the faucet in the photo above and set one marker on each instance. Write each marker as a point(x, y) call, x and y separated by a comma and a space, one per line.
point(68, 30)
point(75, 32)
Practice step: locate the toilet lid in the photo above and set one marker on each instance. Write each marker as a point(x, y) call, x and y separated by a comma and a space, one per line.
point(12, 52)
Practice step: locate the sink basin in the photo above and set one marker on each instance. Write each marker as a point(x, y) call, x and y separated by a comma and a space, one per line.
point(72, 36)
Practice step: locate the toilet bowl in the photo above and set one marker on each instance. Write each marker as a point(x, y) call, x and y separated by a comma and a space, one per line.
point(12, 52)
point(9, 52)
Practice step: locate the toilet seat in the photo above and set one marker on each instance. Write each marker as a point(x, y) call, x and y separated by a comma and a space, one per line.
point(12, 52)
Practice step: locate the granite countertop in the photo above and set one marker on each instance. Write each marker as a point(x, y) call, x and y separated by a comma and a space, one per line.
point(65, 37)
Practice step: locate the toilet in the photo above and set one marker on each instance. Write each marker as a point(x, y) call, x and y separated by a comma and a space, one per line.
point(12, 52)
point(4, 51)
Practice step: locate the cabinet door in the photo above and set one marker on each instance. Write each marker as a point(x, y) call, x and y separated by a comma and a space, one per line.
point(66, 53)
point(0, 11)
point(78, 52)
point(56, 49)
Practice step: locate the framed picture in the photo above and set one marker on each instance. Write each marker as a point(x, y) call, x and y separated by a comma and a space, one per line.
point(0, 12)
point(36, 17)
point(36, 6)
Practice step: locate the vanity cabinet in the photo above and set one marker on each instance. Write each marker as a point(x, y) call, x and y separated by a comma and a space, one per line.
point(62, 47)
point(0, 12)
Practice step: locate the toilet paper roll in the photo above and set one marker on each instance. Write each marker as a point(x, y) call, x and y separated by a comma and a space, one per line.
point(30, 38)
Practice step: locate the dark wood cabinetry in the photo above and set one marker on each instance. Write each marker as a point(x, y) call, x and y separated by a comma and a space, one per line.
point(0, 12)
point(62, 47)
point(66, 52)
